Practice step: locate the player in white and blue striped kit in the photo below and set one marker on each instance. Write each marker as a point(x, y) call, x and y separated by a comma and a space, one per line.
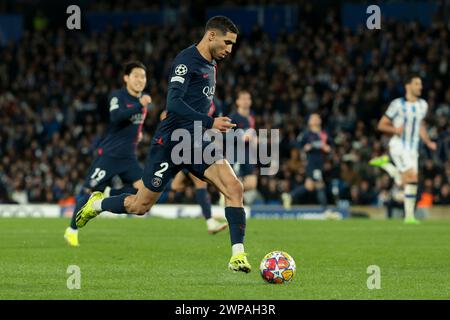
point(404, 119)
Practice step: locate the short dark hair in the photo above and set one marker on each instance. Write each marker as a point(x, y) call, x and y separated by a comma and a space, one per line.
point(409, 77)
point(241, 92)
point(221, 23)
point(129, 66)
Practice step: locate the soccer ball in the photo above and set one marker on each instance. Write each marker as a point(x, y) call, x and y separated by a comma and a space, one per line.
point(277, 267)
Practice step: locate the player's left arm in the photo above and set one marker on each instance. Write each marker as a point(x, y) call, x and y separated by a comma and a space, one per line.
point(326, 147)
point(426, 138)
point(424, 133)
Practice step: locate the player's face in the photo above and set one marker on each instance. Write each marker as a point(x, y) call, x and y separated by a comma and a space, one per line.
point(415, 87)
point(314, 121)
point(136, 80)
point(221, 45)
point(244, 102)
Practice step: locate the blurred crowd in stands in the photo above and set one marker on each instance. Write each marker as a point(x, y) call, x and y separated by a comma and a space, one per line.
point(54, 86)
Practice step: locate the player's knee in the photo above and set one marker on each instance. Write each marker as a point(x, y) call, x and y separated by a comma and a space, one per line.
point(177, 188)
point(309, 185)
point(199, 184)
point(235, 189)
point(410, 177)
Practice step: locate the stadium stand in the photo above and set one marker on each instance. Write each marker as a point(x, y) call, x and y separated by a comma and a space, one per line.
point(54, 86)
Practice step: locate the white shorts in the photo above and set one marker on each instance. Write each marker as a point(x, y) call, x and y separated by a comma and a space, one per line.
point(405, 160)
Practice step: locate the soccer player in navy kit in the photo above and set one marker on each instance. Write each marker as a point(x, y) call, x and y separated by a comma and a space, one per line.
point(178, 184)
point(116, 154)
point(315, 143)
point(244, 120)
point(190, 92)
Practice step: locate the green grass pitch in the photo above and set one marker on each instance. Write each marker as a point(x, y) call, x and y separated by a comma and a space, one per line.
point(176, 259)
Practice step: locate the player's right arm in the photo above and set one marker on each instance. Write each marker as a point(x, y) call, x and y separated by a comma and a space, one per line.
point(386, 124)
point(118, 112)
point(303, 143)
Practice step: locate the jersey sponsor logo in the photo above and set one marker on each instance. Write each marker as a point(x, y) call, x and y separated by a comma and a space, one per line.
point(114, 104)
point(156, 182)
point(137, 118)
point(177, 79)
point(130, 105)
point(181, 70)
point(209, 91)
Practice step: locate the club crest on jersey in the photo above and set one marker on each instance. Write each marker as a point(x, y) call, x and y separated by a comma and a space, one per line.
point(181, 70)
point(156, 182)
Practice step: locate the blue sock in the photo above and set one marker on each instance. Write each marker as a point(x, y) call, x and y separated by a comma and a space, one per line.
point(322, 197)
point(125, 189)
point(115, 204)
point(204, 201)
point(236, 222)
point(298, 192)
point(81, 201)
point(177, 197)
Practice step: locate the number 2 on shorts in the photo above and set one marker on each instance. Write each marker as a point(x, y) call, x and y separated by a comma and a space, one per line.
point(164, 166)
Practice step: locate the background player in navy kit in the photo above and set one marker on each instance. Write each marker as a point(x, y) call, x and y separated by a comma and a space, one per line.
point(244, 120)
point(315, 142)
point(178, 184)
point(190, 92)
point(116, 154)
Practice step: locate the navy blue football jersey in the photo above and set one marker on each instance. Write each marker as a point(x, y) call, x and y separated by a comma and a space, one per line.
point(215, 109)
point(241, 121)
point(316, 140)
point(192, 83)
point(127, 117)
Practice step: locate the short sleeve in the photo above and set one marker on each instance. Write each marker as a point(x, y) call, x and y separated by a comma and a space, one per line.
point(392, 111)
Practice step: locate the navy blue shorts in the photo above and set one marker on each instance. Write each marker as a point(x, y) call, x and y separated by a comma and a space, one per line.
point(314, 173)
point(104, 168)
point(159, 168)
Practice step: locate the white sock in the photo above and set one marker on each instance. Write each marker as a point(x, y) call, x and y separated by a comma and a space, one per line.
point(410, 200)
point(393, 172)
point(72, 230)
point(210, 222)
point(107, 191)
point(97, 205)
point(237, 248)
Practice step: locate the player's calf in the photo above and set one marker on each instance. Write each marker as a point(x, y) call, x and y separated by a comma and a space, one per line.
point(410, 188)
point(234, 192)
